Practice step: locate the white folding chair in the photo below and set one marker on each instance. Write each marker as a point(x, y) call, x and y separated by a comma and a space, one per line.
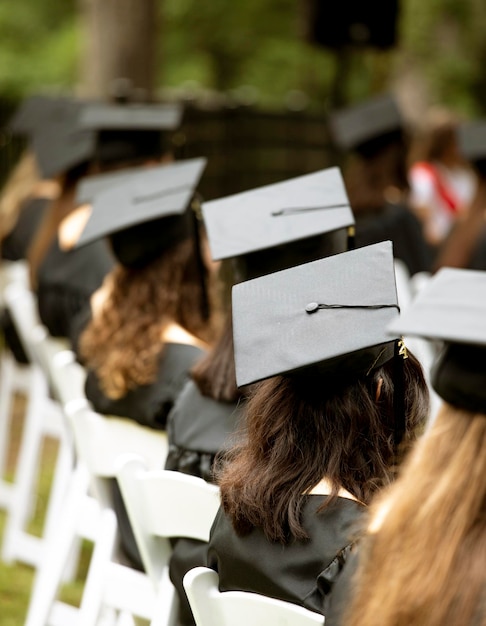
point(87, 513)
point(14, 378)
point(212, 607)
point(162, 504)
point(43, 418)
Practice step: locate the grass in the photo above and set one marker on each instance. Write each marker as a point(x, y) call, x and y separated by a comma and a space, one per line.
point(16, 579)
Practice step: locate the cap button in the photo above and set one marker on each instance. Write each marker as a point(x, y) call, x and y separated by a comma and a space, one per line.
point(312, 307)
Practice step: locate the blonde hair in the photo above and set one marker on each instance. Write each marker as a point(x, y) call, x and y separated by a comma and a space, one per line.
point(424, 562)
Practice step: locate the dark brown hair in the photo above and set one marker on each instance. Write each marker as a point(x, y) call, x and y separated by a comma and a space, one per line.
point(423, 561)
point(123, 342)
point(369, 178)
point(300, 430)
point(214, 374)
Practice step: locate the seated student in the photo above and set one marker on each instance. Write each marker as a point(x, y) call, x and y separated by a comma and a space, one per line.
point(107, 137)
point(373, 138)
point(243, 231)
point(23, 202)
point(422, 559)
point(147, 322)
point(465, 246)
point(325, 430)
point(441, 181)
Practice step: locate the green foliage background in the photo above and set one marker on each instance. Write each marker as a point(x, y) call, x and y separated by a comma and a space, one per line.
point(225, 45)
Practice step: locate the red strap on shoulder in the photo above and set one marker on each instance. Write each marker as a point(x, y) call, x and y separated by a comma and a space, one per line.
point(450, 202)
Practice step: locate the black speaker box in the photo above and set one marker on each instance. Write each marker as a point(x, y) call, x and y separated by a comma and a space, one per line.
point(352, 22)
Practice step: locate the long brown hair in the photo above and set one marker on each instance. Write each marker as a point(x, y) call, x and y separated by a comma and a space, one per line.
point(123, 342)
point(214, 374)
point(300, 429)
point(425, 564)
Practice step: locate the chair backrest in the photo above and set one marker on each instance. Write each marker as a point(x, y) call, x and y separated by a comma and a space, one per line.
point(212, 607)
point(13, 272)
point(22, 306)
point(163, 504)
point(101, 439)
point(65, 375)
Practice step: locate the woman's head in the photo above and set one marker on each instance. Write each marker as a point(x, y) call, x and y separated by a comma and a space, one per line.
point(370, 175)
point(302, 428)
point(124, 341)
point(436, 139)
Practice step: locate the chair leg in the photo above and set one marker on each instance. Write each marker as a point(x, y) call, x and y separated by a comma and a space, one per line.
point(25, 480)
point(103, 553)
point(7, 388)
point(49, 575)
point(166, 611)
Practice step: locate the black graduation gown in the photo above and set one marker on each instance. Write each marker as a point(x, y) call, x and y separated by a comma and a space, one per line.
point(148, 405)
point(302, 572)
point(397, 223)
point(16, 244)
point(66, 281)
point(198, 428)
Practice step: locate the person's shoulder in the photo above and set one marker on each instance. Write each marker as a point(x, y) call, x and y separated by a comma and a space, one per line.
point(175, 334)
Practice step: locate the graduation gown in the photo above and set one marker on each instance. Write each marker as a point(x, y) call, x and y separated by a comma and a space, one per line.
point(66, 281)
point(16, 244)
point(302, 572)
point(198, 428)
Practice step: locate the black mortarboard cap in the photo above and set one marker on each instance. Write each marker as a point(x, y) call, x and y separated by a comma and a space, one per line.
point(101, 116)
point(329, 314)
point(277, 214)
point(452, 308)
point(107, 133)
point(36, 110)
point(147, 213)
point(60, 144)
point(91, 186)
point(354, 126)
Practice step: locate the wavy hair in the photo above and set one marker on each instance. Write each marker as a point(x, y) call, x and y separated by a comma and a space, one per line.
point(425, 563)
point(123, 342)
point(300, 430)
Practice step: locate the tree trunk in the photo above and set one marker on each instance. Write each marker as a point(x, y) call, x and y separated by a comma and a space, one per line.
point(120, 44)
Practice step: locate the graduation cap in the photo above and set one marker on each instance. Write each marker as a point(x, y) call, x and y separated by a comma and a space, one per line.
point(36, 110)
point(146, 213)
point(106, 133)
point(355, 127)
point(328, 316)
point(272, 217)
point(91, 186)
point(452, 308)
point(104, 116)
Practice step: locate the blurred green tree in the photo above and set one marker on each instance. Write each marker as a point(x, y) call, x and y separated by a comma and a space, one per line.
point(255, 49)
